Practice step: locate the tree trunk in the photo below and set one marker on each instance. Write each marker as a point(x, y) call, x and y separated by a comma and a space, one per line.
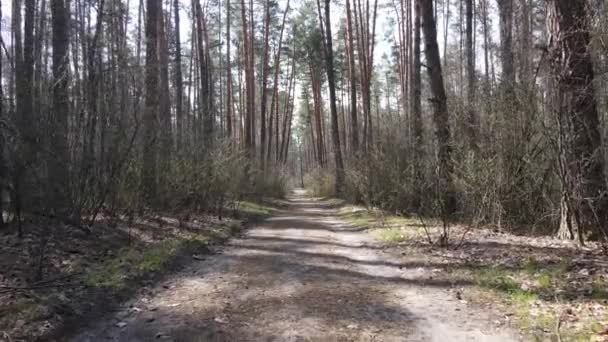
point(249, 145)
point(205, 77)
point(472, 121)
point(60, 113)
point(440, 109)
point(416, 102)
point(228, 74)
point(354, 134)
point(583, 162)
point(264, 91)
point(179, 116)
point(165, 103)
point(486, 54)
point(505, 9)
point(329, 62)
point(148, 171)
point(2, 144)
point(275, 93)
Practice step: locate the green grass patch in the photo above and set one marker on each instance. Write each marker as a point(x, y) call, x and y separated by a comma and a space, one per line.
point(392, 236)
point(252, 208)
point(389, 229)
point(544, 281)
point(134, 262)
point(358, 219)
point(332, 201)
point(599, 290)
point(534, 313)
point(531, 265)
point(496, 278)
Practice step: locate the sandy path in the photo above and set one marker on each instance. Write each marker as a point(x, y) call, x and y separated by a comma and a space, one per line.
point(302, 275)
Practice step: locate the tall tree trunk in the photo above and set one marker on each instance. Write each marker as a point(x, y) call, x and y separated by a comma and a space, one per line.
point(26, 123)
point(275, 93)
point(472, 121)
point(416, 102)
point(249, 146)
point(179, 116)
point(59, 163)
point(440, 109)
point(583, 162)
point(3, 170)
point(228, 74)
point(206, 81)
point(264, 91)
point(315, 80)
point(354, 134)
point(486, 48)
point(148, 170)
point(251, 67)
point(505, 9)
point(329, 63)
point(165, 135)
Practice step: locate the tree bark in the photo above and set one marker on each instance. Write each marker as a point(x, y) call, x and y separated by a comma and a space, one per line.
point(416, 102)
point(3, 170)
point(275, 93)
point(472, 121)
point(329, 63)
point(440, 109)
point(228, 74)
point(179, 116)
point(148, 171)
point(59, 163)
point(354, 134)
point(264, 91)
point(505, 9)
point(583, 161)
point(249, 145)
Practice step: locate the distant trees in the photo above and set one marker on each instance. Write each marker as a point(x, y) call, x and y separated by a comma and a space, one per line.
point(128, 114)
point(499, 155)
point(104, 106)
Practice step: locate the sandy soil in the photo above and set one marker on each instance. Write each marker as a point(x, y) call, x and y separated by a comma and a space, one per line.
point(302, 275)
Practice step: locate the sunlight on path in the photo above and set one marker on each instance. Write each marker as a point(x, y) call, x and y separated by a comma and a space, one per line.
point(302, 275)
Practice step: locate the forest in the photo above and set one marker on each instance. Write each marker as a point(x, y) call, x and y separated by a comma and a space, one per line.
point(466, 135)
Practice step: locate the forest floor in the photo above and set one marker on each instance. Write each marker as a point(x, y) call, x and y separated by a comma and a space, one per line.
point(548, 289)
point(83, 274)
point(304, 274)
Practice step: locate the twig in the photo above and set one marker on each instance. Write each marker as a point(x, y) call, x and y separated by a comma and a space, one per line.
point(464, 234)
point(34, 287)
point(558, 325)
point(42, 284)
point(52, 280)
point(426, 230)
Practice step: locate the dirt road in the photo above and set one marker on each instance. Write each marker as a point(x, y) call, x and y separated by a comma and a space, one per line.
point(302, 275)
